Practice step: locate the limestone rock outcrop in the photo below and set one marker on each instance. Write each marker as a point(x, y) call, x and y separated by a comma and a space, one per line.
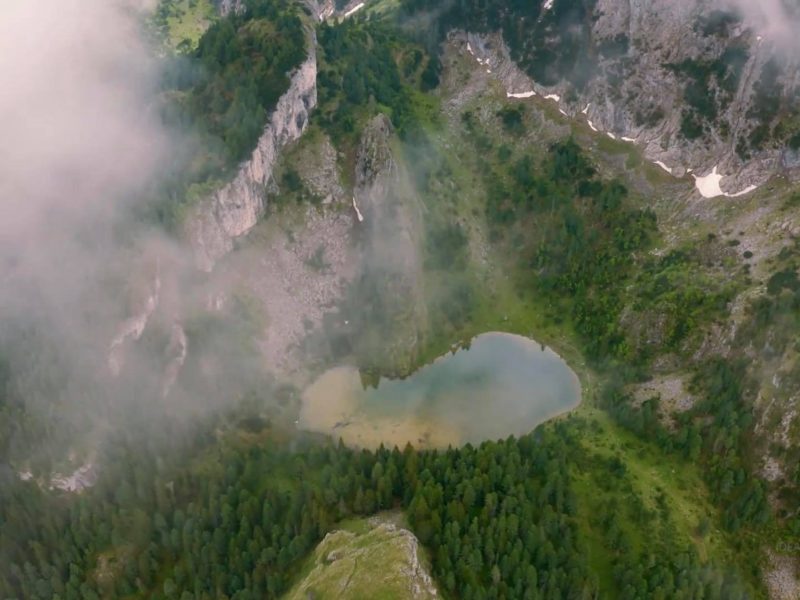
point(215, 222)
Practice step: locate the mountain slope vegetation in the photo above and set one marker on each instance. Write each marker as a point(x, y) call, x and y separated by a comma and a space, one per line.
point(679, 316)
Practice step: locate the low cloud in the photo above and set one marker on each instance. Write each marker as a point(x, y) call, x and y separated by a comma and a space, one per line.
point(776, 20)
point(81, 139)
point(78, 136)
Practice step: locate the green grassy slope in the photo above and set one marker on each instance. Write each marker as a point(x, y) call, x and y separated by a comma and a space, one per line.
point(363, 559)
point(183, 22)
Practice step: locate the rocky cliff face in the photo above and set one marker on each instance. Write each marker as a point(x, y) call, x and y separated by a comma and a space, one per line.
point(233, 210)
point(321, 9)
point(695, 83)
point(345, 273)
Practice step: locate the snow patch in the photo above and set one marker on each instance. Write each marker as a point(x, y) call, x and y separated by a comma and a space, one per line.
point(353, 10)
point(520, 94)
point(469, 49)
point(585, 111)
point(611, 135)
point(548, 4)
point(709, 185)
point(628, 139)
point(25, 475)
point(747, 190)
point(358, 212)
point(562, 111)
point(591, 126)
point(555, 97)
point(663, 166)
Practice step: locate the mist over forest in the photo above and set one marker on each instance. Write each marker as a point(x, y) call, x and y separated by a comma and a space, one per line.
point(251, 253)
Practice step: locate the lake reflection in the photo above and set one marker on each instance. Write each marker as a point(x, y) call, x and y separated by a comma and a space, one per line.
point(504, 384)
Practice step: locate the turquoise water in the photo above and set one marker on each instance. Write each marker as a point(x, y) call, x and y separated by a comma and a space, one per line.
point(502, 385)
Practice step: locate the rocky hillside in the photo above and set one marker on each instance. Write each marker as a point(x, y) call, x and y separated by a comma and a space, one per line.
point(697, 84)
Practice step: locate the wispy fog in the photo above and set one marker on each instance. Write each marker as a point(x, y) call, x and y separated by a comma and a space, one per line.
point(79, 138)
point(776, 20)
